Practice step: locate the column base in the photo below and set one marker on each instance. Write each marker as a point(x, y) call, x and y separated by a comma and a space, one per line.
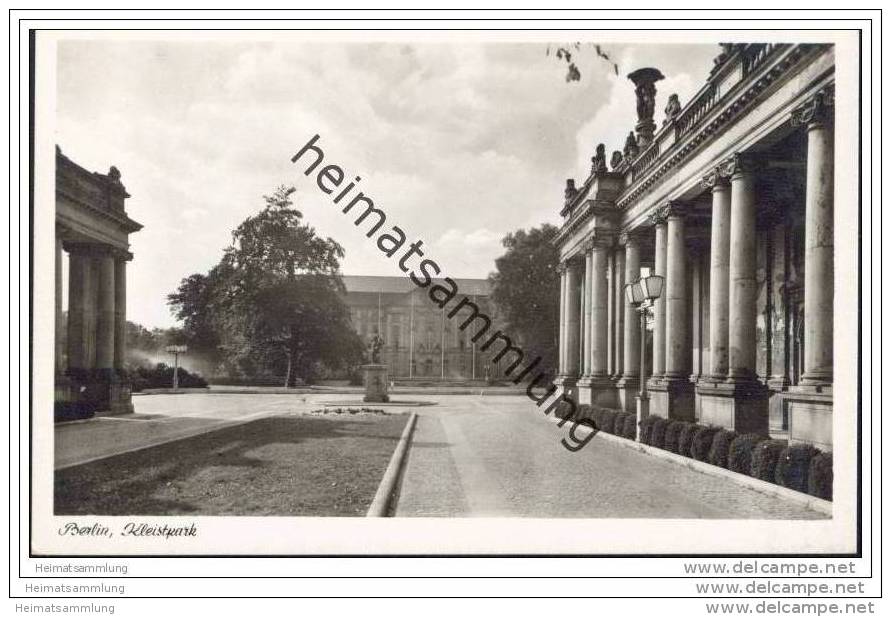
point(672, 398)
point(740, 406)
point(627, 391)
point(567, 385)
point(597, 391)
point(84, 393)
point(809, 411)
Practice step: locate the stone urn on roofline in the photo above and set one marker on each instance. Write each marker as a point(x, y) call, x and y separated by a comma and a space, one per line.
point(375, 373)
point(645, 90)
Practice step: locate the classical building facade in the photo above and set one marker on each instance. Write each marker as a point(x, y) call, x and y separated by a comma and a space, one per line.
point(92, 229)
point(730, 199)
point(420, 341)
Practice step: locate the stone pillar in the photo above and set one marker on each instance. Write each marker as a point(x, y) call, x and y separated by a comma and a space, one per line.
point(818, 248)
point(743, 285)
point(586, 313)
point(677, 352)
point(60, 322)
point(739, 402)
point(120, 313)
point(599, 312)
point(659, 305)
point(81, 313)
point(573, 305)
point(719, 278)
point(561, 358)
point(611, 313)
point(105, 326)
point(629, 384)
point(618, 287)
point(671, 396)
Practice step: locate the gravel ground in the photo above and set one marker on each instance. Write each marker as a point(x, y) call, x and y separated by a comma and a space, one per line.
point(497, 458)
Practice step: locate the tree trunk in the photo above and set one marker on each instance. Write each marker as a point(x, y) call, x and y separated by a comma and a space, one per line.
point(291, 376)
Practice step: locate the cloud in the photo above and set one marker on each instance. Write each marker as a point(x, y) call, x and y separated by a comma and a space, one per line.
point(459, 144)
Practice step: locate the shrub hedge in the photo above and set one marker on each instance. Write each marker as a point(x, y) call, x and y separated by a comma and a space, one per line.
point(629, 426)
point(646, 426)
point(685, 438)
point(720, 450)
point(794, 465)
point(739, 459)
point(819, 477)
point(702, 442)
point(608, 420)
point(75, 410)
point(657, 432)
point(765, 457)
point(672, 433)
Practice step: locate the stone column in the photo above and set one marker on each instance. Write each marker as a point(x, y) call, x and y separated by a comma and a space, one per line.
point(611, 313)
point(743, 284)
point(60, 322)
point(561, 357)
point(659, 305)
point(818, 241)
point(618, 287)
point(120, 313)
point(573, 304)
point(719, 277)
point(586, 313)
point(628, 384)
point(677, 352)
point(81, 309)
point(599, 312)
point(105, 326)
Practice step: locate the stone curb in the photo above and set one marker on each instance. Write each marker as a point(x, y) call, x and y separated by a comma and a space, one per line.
point(385, 496)
point(809, 501)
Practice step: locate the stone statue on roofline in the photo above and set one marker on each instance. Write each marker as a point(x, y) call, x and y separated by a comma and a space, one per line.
point(631, 148)
point(570, 191)
point(672, 109)
point(598, 161)
point(616, 160)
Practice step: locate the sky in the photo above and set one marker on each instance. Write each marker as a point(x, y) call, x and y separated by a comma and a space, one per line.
point(458, 143)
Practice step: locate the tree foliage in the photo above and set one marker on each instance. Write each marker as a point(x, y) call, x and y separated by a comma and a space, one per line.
point(273, 304)
point(525, 289)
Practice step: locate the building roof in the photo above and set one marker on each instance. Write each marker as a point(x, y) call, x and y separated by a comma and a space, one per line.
point(403, 284)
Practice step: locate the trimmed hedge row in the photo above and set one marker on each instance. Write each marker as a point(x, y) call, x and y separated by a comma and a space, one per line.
point(800, 467)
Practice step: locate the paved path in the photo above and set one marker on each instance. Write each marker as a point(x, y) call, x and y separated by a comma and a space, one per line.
point(471, 455)
point(500, 457)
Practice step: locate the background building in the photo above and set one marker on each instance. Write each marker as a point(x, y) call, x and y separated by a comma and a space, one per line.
point(420, 340)
point(731, 199)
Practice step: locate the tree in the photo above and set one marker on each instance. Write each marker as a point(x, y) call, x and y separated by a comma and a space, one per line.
point(525, 290)
point(274, 300)
point(564, 52)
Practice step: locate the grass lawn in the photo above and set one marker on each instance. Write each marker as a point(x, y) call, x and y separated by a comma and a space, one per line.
point(287, 465)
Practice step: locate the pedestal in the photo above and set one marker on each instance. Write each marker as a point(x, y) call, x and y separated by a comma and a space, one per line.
point(672, 398)
point(375, 383)
point(643, 412)
point(627, 391)
point(568, 386)
point(738, 406)
point(809, 411)
point(597, 392)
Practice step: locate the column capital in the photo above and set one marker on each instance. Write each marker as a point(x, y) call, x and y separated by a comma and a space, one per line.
point(738, 164)
point(632, 237)
point(819, 109)
point(672, 209)
point(715, 179)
